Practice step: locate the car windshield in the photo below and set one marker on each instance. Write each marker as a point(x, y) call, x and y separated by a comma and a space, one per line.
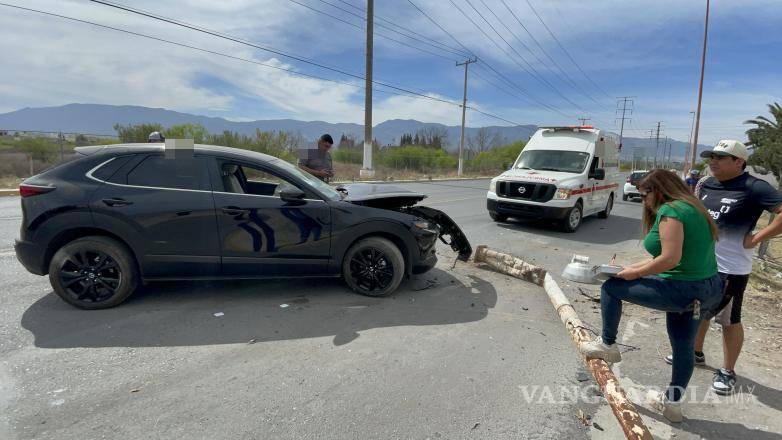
point(320, 185)
point(637, 176)
point(553, 160)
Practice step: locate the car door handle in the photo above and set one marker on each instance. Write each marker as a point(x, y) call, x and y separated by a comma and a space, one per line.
point(116, 202)
point(233, 210)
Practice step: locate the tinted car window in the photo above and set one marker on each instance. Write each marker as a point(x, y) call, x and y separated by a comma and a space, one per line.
point(161, 172)
point(107, 170)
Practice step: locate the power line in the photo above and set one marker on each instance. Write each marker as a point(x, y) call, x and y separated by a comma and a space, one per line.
point(212, 52)
point(565, 50)
point(513, 84)
point(407, 93)
point(376, 33)
point(441, 28)
point(443, 46)
point(535, 74)
point(264, 48)
point(550, 58)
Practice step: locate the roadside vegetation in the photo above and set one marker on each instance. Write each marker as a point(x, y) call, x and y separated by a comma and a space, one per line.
point(420, 156)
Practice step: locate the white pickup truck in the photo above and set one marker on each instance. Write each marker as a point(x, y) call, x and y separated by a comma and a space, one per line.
point(563, 174)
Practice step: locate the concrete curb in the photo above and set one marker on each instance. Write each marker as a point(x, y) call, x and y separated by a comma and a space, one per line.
point(9, 192)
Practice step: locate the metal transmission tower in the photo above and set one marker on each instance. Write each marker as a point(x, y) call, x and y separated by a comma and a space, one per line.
point(657, 143)
point(464, 110)
point(367, 169)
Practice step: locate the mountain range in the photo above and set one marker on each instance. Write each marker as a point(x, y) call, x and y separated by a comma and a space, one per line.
point(100, 119)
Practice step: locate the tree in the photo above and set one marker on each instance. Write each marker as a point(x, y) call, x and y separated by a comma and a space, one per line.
point(136, 133)
point(765, 140)
point(196, 132)
point(39, 149)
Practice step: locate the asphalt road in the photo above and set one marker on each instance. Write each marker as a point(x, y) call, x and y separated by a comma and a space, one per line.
point(455, 353)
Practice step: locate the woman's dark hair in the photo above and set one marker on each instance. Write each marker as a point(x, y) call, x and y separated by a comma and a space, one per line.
point(665, 187)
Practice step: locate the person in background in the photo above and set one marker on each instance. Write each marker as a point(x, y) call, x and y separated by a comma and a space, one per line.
point(679, 279)
point(318, 162)
point(735, 200)
point(155, 137)
point(692, 180)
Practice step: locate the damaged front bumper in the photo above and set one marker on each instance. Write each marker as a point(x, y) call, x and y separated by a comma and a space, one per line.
point(449, 232)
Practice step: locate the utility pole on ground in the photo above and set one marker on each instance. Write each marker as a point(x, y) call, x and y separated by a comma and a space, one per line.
point(694, 151)
point(367, 170)
point(584, 121)
point(464, 111)
point(624, 100)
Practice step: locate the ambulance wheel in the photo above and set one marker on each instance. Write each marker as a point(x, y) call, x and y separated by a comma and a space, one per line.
point(573, 218)
point(624, 197)
point(609, 205)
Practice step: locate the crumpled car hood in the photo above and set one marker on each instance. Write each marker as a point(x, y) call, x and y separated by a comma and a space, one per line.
point(380, 196)
point(399, 199)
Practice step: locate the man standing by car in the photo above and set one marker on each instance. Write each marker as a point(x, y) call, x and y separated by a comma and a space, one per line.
point(318, 161)
point(735, 200)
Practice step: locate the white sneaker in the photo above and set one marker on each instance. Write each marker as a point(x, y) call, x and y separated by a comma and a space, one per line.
point(671, 410)
point(598, 349)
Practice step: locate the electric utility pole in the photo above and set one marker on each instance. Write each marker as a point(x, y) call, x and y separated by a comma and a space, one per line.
point(464, 111)
point(584, 121)
point(625, 100)
point(657, 143)
point(694, 151)
point(367, 170)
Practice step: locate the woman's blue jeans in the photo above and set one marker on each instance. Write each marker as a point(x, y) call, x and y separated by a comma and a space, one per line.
point(670, 296)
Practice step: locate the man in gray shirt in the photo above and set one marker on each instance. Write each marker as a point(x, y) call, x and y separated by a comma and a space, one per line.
point(318, 161)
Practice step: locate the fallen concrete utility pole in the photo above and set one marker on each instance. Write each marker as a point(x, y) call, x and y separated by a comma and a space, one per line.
point(623, 409)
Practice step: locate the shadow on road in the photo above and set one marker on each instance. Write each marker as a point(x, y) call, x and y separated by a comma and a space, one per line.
point(708, 429)
point(614, 229)
point(183, 313)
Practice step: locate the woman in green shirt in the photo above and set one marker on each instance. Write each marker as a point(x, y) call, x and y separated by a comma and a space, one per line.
point(680, 279)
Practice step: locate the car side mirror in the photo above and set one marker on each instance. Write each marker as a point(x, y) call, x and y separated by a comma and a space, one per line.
point(292, 195)
point(598, 174)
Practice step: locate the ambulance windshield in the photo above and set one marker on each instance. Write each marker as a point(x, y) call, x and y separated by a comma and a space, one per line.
point(553, 160)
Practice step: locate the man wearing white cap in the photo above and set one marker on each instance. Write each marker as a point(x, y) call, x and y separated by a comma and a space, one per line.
point(736, 201)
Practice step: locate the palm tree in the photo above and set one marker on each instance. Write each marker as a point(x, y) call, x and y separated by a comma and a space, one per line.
point(765, 140)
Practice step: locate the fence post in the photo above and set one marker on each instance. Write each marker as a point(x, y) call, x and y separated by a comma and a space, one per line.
point(32, 173)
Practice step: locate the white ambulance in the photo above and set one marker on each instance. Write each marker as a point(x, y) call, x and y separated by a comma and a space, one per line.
point(563, 174)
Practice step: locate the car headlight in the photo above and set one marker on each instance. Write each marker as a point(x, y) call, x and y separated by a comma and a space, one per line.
point(421, 225)
point(562, 194)
point(493, 186)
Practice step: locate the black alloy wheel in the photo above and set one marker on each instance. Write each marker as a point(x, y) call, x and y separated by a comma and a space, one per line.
point(90, 275)
point(93, 273)
point(374, 267)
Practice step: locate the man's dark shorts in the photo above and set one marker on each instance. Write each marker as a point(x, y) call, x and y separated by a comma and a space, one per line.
point(729, 310)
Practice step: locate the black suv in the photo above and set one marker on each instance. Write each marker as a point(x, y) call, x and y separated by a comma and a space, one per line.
point(124, 214)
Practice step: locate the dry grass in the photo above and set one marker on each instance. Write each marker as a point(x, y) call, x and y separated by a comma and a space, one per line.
point(766, 279)
point(10, 182)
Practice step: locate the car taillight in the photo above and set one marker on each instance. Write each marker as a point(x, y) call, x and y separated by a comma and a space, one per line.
point(26, 190)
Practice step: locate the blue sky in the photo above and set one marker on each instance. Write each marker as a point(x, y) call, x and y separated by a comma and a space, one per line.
point(650, 50)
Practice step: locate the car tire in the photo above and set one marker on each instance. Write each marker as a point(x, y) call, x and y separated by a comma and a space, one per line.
point(373, 266)
point(573, 218)
point(498, 217)
point(624, 197)
point(93, 273)
point(609, 206)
